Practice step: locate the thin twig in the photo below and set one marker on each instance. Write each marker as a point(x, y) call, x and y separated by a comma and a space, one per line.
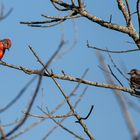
point(110, 19)
point(71, 16)
point(55, 3)
point(48, 26)
point(85, 118)
point(112, 51)
point(138, 14)
point(117, 68)
point(115, 76)
point(48, 116)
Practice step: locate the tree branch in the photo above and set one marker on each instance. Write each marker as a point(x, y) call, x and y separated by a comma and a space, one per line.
point(69, 78)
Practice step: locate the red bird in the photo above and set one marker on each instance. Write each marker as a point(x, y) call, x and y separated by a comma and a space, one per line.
point(4, 44)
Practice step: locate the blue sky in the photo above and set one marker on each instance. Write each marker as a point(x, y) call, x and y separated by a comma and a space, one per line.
point(106, 121)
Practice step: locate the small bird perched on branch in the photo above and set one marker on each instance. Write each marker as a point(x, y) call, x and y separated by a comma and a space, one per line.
point(4, 44)
point(134, 79)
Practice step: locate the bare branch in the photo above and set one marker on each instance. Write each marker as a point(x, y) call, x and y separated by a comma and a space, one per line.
point(81, 5)
point(73, 2)
point(24, 118)
point(68, 130)
point(75, 105)
point(122, 7)
point(26, 129)
point(71, 16)
point(38, 23)
point(122, 103)
point(75, 10)
point(71, 94)
point(129, 13)
point(43, 26)
point(138, 14)
point(63, 4)
point(53, 22)
point(55, 3)
point(22, 91)
point(115, 76)
point(55, 109)
point(117, 68)
point(2, 132)
point(111, 51)
point(48, 116)
point(70, 78)
point(84, 118)
point(62, 126)
point(67, 100)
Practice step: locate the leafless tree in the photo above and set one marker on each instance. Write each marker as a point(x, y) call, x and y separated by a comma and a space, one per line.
point(76, 9)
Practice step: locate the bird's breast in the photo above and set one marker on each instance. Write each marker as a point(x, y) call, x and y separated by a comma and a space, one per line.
point(1, 53)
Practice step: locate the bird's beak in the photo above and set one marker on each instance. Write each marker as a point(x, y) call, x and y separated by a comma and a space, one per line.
point(129, 73)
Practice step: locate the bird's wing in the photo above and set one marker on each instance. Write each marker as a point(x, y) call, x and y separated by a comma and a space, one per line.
point(135, 79)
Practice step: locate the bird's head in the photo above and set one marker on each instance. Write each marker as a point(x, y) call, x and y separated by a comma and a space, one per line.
point(134, 72)
point(6, 43)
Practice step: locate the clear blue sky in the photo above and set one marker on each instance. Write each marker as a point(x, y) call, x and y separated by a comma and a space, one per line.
point(106, 121)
